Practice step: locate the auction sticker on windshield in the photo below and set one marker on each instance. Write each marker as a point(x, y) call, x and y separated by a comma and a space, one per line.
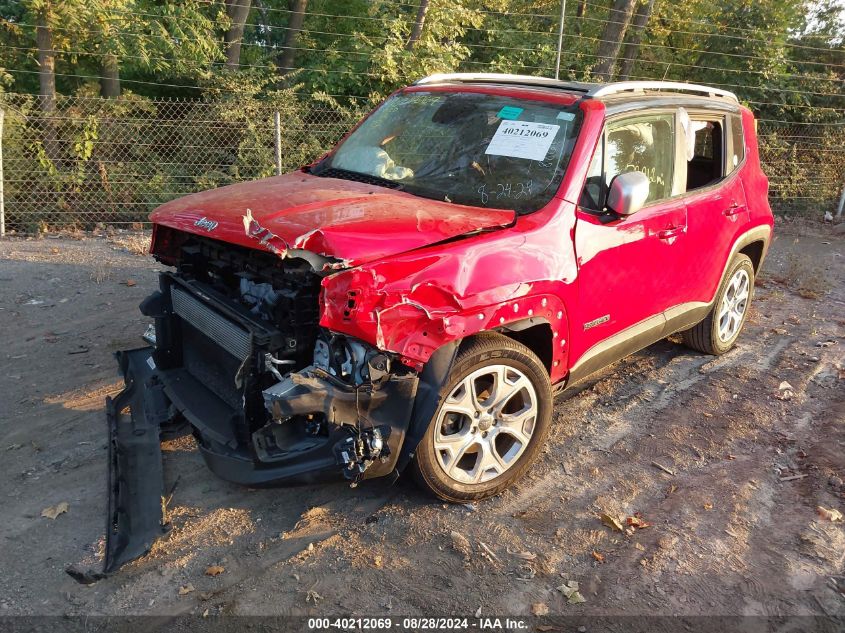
point(522, 139)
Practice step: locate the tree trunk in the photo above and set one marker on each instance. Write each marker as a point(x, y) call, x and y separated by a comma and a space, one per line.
point(237, 10)
point(416, 32)
point(612, 37)
point(297, 17)
point(110, 80)
point(582, 11)
point(632, 46)
point(46, 63)
point(47, 82)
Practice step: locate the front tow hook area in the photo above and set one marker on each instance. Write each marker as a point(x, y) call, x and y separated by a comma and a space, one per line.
point(135, 516)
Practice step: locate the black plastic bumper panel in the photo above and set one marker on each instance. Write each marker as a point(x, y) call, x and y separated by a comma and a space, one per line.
point(136, 480)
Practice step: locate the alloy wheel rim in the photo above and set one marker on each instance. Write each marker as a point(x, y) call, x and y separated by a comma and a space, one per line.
point(733, 306)
point(485, 424)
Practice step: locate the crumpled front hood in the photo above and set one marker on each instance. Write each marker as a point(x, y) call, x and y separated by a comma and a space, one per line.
point(348, 221)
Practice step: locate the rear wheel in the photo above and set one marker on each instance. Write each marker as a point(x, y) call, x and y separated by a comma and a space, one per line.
point(718, 332)
point(494, 416)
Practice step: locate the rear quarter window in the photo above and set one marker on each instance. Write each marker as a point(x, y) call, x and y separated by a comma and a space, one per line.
point(737, 151)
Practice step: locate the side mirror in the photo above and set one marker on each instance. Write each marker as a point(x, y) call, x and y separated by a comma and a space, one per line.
point(628, 192)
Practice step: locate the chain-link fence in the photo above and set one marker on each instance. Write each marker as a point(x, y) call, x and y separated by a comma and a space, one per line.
point(93, 160)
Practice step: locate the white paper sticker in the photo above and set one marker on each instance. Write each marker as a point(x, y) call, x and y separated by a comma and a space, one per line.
point(522, 139)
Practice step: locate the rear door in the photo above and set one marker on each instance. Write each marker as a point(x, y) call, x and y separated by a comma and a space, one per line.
point(714, 197)
point(628, 266)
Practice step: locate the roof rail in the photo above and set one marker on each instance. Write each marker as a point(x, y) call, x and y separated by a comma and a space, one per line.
point(587, 89)
point(604, 90)
point(502, 78)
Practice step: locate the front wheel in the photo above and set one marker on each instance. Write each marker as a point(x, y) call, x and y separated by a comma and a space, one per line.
point(718, 332)
point(494, 415)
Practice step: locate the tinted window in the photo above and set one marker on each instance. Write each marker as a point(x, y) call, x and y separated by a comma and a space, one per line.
point(705, 166)
point(468, 148)
point(737, 143)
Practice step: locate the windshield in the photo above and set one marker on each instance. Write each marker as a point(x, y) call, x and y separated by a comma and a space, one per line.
point(468, 148)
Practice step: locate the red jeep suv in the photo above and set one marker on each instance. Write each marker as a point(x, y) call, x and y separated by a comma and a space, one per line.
point(416, 297)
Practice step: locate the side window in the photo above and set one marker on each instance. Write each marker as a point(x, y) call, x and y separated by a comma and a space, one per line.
point(737, 143)
point(646, 144)
point(704, 165)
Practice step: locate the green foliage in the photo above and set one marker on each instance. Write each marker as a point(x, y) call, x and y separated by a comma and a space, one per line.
point(784, 58)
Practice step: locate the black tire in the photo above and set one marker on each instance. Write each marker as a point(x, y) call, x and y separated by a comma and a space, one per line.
point(486, 350)
point(704, 337)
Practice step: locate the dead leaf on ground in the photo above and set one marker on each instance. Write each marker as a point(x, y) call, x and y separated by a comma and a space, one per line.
point(461, 544)
point(525, 555)
point(637, 521)
point(186, 589)
point(214, 570)
point(612, 522)
point(598, 556)
point(540, 608)
point(708, 506)
point(52, 512)
point(313, 596)
point(131, 282)
point(785, 391)
point(570, 590)
point(830, 515)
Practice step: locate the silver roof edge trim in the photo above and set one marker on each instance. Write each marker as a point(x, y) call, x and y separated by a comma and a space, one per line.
point(587, 89)
point(605, 90)
point(525, 80)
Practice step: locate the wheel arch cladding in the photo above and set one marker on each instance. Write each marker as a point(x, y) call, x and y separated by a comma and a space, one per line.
point(433, 376)
point(755, 251)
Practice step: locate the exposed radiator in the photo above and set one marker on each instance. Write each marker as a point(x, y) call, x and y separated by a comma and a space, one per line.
point(228, 335)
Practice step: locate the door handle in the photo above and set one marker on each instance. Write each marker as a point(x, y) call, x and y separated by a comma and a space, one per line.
point(734, 209)
point(665, 234)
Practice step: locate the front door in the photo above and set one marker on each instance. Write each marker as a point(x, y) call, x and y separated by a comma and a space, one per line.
point(627, 266)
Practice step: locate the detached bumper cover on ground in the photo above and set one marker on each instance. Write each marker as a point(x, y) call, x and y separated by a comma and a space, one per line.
point(136, 482)
point(362, 430)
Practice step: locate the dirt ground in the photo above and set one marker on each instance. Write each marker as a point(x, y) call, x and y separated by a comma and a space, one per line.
point(743, 465)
